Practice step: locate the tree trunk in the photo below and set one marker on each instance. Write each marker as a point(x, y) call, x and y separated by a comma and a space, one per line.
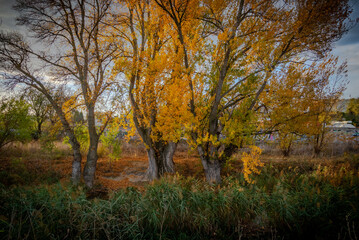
point(317, 151)
point(91, 162)
point(212, 163)
point(76, 165)
point(90, 166)
point(167, 165)
point(286, 152)
point(152, 170)
point(39, 130)
point(212, 170)
point(77, 157)
point(160, 161)
point(317, 145)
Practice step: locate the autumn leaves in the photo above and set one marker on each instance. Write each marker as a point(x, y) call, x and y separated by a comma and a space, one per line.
point(209, 71)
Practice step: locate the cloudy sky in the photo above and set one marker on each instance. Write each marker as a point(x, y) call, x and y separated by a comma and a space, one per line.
point(346, 49)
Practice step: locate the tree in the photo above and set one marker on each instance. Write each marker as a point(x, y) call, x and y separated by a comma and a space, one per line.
point(15, 61)
point(15, 121)
point(327, 95)
point(111, 140)
point(248, 42)
point(290, 96)
point(40, 109)
point(84, 59)
point(352, 111)
point(156, 90)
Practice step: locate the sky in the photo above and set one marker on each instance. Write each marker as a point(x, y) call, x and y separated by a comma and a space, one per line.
point(347, 49)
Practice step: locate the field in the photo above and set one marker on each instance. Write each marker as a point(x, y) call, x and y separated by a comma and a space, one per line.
point(292, 198)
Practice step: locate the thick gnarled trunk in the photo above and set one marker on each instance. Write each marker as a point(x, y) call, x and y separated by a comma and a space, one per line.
point(213, 162)
point(160, 161)
point(212, 166)
point(167, 165)
point(212, 170)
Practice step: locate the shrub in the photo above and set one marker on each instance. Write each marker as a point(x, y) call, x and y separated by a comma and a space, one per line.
point(15, 121)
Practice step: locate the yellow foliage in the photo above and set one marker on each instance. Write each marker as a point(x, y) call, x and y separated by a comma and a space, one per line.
point(251, 163)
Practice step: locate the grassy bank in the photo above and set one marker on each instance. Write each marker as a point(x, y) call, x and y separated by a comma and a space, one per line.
point(287, 202)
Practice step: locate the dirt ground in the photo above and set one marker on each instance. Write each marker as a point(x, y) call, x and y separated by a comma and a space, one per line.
point(128, 171)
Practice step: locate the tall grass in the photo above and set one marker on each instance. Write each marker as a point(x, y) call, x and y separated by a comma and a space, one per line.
point(286, 203)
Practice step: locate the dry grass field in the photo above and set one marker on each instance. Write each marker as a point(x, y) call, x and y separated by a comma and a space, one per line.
point(29, 164)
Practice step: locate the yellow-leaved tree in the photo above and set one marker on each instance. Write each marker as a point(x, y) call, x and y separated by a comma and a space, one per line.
point(156, 88)
point(245, 43)
point(297, 95)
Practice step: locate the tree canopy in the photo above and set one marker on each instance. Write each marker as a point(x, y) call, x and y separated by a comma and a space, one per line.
point(209, 71)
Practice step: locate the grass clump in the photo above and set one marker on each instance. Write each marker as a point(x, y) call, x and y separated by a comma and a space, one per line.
point(281, 204)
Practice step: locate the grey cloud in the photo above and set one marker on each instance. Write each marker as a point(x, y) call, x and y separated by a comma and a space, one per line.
point(8, 15)
point(350, 53)
point(353, 35)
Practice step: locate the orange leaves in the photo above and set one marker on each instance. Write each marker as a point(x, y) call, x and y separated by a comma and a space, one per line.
point(173, 112)
point(189, 59)
point(159, 86)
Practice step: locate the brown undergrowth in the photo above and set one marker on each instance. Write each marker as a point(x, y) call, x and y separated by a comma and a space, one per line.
point(25, 164)
point(28, 164)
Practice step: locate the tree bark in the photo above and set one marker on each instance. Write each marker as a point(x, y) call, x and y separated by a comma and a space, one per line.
point(318, 144)
point(160, 161)
point(211, 166)
point(91, 162)
point(152, 170)
point(90, 166)
point(167, 164)
point(39, 130)
point(286, 152)
point(212, 170)
point(76, 153)
point(76, 165)
point(317, 151)
point(212, 161)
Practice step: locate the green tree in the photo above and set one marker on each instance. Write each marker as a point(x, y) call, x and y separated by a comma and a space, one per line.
point(352, 112)
point(40, 108)
point(15, 121)
point(111, 141)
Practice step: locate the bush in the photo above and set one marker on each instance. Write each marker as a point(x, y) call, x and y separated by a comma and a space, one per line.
point(15, 121)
